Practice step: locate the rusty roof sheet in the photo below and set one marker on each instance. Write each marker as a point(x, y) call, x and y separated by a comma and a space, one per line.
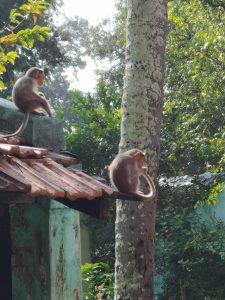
point(64, 159)
point(25, 152)
point(45, 177)
point(28, 172)
point(11, 140)
point(22, 151)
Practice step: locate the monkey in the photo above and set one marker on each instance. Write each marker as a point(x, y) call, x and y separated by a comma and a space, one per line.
point(25, 97)
point(124, 173)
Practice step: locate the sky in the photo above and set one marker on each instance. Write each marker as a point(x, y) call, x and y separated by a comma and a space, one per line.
point(94, 11)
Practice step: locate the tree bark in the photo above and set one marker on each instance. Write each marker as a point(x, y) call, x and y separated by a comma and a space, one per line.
point(182, 291)
point(140, 128)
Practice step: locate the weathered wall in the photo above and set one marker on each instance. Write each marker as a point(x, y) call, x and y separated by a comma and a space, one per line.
point(41, 131)
point(65, 252)
point(30, 251)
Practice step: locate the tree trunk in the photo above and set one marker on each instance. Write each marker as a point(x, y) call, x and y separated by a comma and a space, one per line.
point(182, 291)
point(140, 128)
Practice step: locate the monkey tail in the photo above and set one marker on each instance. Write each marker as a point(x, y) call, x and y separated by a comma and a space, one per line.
point(22, 127)
point(152, 189)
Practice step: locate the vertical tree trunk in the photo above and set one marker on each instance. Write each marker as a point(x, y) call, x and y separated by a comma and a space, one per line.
point(140, 128)
point(182, 290)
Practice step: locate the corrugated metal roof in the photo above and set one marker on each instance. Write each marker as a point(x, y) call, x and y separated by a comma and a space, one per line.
point(45, 177)
point(11, 140)
point(64, 160)
point(22, 151)
point(32, 172)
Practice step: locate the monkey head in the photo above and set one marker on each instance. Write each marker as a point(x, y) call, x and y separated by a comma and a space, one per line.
point(37, 74)
point(139, 157)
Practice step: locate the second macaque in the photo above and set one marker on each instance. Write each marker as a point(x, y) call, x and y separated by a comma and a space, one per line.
point(125, 171)
point(26, 98)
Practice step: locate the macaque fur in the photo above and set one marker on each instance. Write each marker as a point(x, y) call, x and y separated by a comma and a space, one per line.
point(125, 171)
point(26, 98)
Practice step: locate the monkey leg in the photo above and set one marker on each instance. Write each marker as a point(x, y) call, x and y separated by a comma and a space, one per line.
point(38, 101)
point(38, 113)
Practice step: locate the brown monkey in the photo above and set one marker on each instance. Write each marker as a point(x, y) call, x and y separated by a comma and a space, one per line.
point(25, 96)
point(124, 173)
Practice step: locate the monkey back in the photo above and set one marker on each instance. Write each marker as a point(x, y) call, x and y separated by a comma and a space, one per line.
point(124, 173)
point(22, 93)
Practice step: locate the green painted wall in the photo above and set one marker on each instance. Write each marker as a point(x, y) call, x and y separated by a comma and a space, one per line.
point(65, 252)
point(46, 263)
point(211, 211)
point(85, 239)
point(30, 251)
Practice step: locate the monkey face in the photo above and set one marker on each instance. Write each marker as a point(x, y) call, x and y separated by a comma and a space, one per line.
point(140, 158)
point(40, 78)
point(141, 161)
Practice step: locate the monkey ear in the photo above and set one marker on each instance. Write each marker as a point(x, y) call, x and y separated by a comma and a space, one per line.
point(137, 155)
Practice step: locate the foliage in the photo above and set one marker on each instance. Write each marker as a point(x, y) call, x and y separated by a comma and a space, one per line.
point(98, 281)
point(11, 35)
point(189, 253)
point(94, 136)
point(189, 241)
point(106, 42)
point(102, 233)
point(69, 38)
point(63, 49)
point(193, 122)
point(61, 56)
point(190, 256)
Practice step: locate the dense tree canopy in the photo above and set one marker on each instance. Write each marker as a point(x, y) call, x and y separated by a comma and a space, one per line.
point(62, 49)
point(193, 130)
point(94, 134)
point(15, 34)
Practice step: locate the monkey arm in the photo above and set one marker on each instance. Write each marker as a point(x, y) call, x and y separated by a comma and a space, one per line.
point(38, 113)
point(41, 94)
point(143, 170)
point(38, 101)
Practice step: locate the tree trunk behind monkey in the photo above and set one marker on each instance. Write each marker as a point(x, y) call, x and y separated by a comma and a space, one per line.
point(140, 128)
